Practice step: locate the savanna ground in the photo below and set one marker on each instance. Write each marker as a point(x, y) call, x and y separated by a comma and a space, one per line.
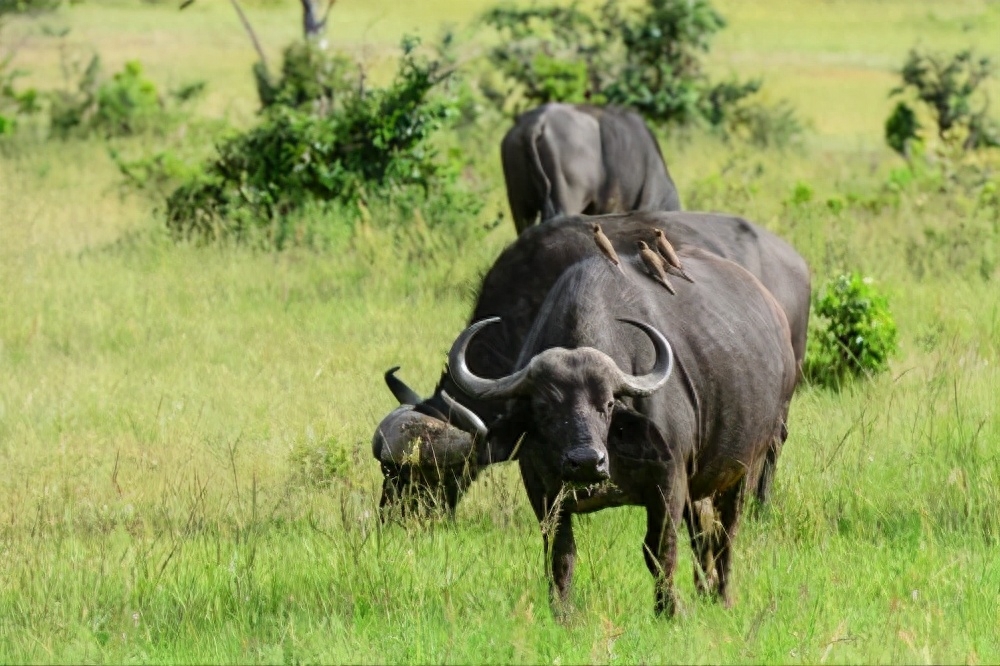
point(185, 471)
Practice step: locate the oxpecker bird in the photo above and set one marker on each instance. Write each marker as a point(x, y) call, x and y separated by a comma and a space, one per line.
point(654, 265)
point(606, 248)
point(666, 251)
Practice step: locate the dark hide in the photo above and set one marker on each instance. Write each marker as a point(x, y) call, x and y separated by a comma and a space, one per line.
point(561, 159)
point(521, 277)
point(718, 416)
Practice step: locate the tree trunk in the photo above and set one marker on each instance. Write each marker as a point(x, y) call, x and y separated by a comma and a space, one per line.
point(312, 23)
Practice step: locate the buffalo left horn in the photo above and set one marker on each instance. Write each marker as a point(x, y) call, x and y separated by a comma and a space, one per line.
point(639, 387)
point(477, 387)
point(403, 393)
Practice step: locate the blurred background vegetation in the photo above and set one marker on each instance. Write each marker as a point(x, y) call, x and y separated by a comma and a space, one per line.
point(207, 262)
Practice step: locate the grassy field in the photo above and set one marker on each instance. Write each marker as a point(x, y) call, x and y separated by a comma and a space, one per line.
point(185, 471)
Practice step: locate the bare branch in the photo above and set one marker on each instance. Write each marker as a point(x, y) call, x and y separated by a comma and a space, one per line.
point(326, 14)
point(253, 35)
point(246, 25)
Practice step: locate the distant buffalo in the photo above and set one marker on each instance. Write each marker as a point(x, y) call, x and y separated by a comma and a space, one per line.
point(562, 159)
point(439, 441)
point(672, 398)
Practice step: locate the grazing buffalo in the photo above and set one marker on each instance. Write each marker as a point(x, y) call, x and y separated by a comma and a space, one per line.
point(514, 289)
point(562, 159)
point(419, 449)
point(596, 423)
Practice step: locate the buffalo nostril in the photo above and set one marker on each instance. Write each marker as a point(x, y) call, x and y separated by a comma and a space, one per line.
point(586, 464)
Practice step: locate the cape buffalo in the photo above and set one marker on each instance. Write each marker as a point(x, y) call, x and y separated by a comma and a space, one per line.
point(419, 449)
point(589, 402)
point(514, 289)
point(562, 159)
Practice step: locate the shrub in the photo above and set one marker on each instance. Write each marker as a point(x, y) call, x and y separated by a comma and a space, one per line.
point(951, 89)
point(542, 52)
point(902, 129)
point(311, 78)
point(648, 57)
point(70, 110)
point(852, 332)
point(372, 144)
point(663, 41)
point(128, 103)
point(14, 103)
point(30, 7)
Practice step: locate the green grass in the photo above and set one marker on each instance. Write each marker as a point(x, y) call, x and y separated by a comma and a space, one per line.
point(157, 401)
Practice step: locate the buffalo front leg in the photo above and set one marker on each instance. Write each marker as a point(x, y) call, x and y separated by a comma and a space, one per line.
point(659, 549)
point(728, 506)
point(563, 553)
point(557, 536)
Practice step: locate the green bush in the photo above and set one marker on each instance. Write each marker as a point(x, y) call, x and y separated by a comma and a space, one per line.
point(14, 103)
point(952, 90)
point(548, 42)
point(128, 103)
point(29, 7)
point(311, 78)
point(664, 41)
point(373, 144)
point(852, 332)
point(902, 129)
point(647, 56)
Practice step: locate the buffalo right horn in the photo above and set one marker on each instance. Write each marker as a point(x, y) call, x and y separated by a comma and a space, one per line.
point(403, 393)
point(478, 387)
point(639, 387)
point(465, 418)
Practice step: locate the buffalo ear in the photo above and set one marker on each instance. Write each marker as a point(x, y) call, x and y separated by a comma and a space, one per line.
point(634, 436)
point(504, 437)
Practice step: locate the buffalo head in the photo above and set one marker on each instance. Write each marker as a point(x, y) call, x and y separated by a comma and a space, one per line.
point(423, 449)
point(571, 397)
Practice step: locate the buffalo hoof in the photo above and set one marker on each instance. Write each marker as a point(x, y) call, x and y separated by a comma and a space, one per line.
point(666, 605)
point(705, 582)
point(562, 610)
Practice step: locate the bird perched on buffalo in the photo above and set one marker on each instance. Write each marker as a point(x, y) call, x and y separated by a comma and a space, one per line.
point(666, 250)
point(606, 248)
point(654, 265)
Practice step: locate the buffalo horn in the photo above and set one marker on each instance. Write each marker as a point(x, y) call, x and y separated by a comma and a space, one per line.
point(464, 417)
point(638, 387)
point(478, 387)
point(403, 393)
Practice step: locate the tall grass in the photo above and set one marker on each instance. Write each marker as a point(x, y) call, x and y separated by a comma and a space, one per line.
point(157, 402)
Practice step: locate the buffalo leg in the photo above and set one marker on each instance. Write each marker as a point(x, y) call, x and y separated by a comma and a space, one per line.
point(700, 519)
point(563, 558)
point(455, 484)
point(557, 536)
point(763, 488)
point(659, 549)
point(392, 492)
point(728, 506)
